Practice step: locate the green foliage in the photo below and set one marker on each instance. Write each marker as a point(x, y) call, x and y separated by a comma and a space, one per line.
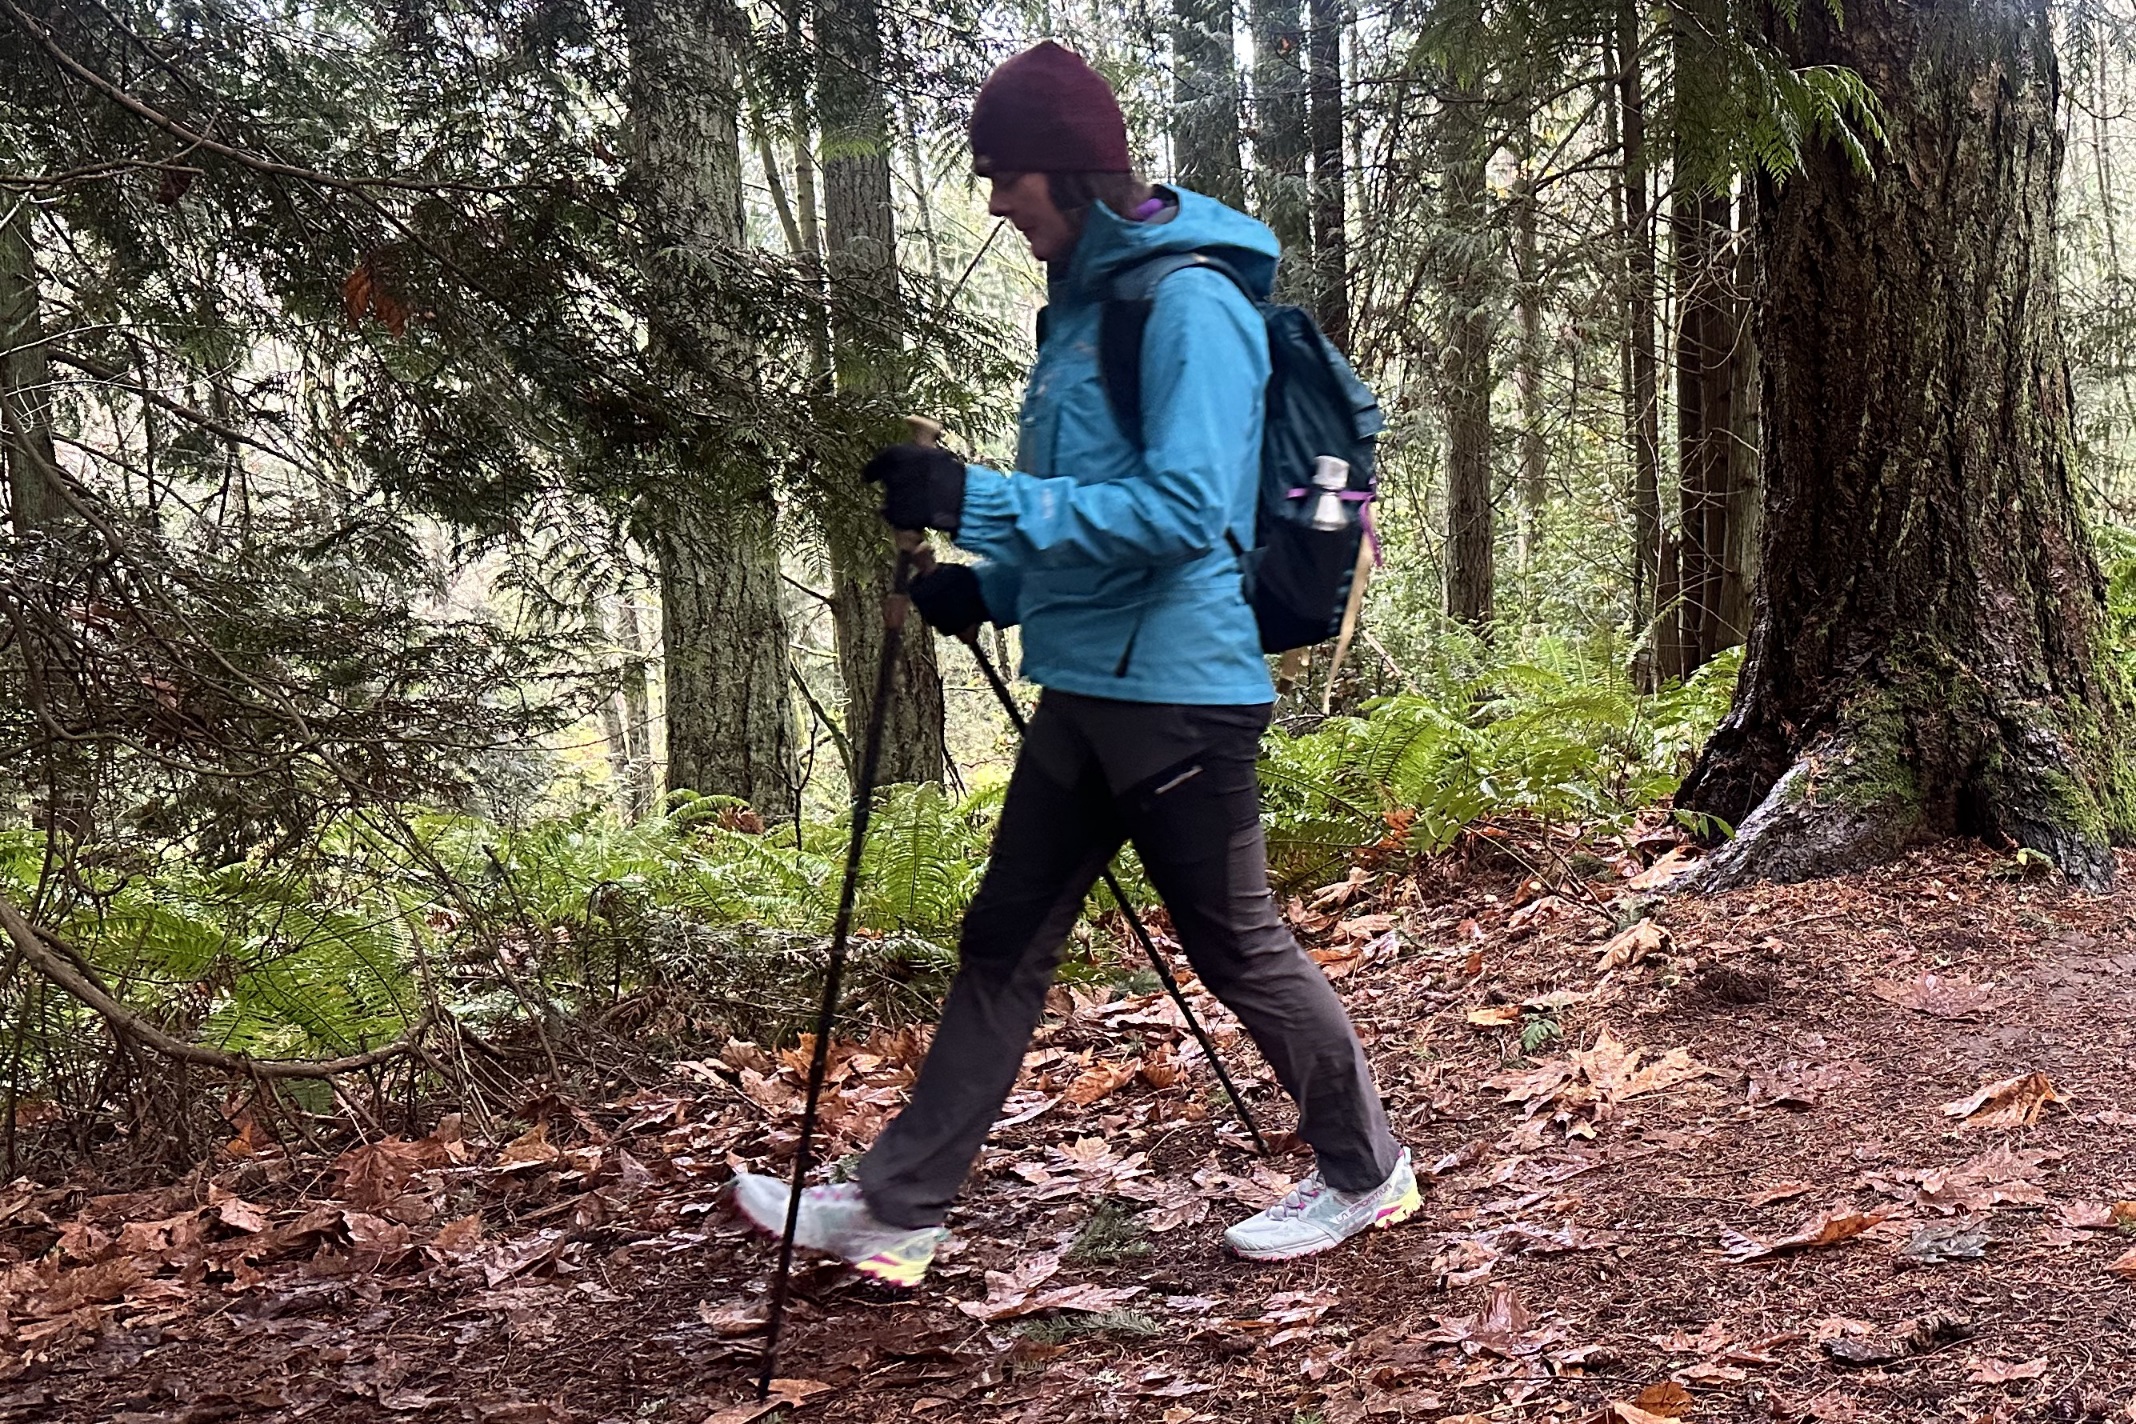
point(1109, 1235)
point(1557, 735)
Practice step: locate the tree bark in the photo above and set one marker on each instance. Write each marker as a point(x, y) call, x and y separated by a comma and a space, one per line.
point(1528, 359)
point(867, 328)
point(1700, 227)
point(1642, 414)
point(1739, 573)
point(35, 503)
point(713, 533)
point(1205, 101)
point(1927, 654)
point(637, 711)
point(1471, 294)
point(1281, 143)
point(1331, 244)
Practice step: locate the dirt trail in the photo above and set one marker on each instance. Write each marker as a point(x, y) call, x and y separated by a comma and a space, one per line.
point(1754, 1074)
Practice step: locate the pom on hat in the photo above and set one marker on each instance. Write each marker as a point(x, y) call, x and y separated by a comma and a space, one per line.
point(1046, 111)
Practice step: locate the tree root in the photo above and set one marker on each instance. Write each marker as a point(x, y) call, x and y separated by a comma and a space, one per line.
point(1795, 835)
point(53, 959)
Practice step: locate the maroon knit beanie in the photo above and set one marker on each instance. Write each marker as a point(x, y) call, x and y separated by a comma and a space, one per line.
point(1046, 111)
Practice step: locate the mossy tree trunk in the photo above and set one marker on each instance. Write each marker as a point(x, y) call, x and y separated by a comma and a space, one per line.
point(35, 501)
point(1926, 655)
point(867, 325)
point(1472, 289)
point(713, 531)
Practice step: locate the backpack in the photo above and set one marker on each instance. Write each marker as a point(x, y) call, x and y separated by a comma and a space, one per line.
point(1304, 584)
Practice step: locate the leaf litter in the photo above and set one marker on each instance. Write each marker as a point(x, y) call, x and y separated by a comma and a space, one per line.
point(488, 1272)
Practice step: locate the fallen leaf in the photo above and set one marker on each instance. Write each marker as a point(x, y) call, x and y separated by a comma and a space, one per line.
point(2013, 1102)
point(2124, 1265)
point(1828, 1229)
point(1786, 1192)
point(1664, 871)
point(1987, 1371)
point(241, 1215)
point(1466, 1155)
point(1940, 1242)
point(1495, 1016)
point(529, 1149)
point(1633, 945)
point(1667, 1399)
point(2001, 1176)
point(785, 1393)
point(1933, 994)
point(1099, 1080)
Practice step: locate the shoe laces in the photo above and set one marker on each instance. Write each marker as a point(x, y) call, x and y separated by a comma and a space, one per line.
point(1300, 1198)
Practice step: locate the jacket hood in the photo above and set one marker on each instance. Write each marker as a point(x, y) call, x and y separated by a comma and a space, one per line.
point(1111, 244)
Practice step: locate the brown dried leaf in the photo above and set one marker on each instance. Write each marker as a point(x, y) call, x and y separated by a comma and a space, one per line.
point(1956, 997)
point(1632, 946)
point(2124, 1265)
point(785, 1393)
point(1099, 1080)
point(2001, 1176)
point(1786, 1192)
point(530, 1149)
point(1989, 1371)
point(2013, 1102)
point(1827, 1229)
point(1664, 871)
point(1495, 1016)
point(458, 1238)
point(1668, 1399)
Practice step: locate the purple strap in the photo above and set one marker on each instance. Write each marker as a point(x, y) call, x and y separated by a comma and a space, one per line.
point(1149, 208)
point(1363, 500)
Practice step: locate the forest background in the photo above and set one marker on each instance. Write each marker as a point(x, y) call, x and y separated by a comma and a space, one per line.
point(440, 602)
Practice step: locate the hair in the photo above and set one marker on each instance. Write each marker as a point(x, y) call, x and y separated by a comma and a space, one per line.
point(1073, 193)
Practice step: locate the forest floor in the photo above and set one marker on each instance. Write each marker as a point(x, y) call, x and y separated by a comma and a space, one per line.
point(1750, 1174)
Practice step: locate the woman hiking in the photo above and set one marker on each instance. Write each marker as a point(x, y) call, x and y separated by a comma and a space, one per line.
point(1120, 562)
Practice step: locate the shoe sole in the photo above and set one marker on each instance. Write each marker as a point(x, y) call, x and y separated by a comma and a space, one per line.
point(1390, 1216)
point(884, 1270)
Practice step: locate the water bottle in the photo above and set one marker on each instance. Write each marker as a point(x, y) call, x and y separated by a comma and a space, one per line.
point(1331, 477)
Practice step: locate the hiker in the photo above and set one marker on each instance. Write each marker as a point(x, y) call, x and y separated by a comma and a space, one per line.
point(1121, 563)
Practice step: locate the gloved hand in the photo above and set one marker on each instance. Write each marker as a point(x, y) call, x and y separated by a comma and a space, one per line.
point(923, 486)
point(949, 599)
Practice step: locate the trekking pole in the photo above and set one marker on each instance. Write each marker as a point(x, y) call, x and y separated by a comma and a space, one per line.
point(909, 545)
point(925, 432)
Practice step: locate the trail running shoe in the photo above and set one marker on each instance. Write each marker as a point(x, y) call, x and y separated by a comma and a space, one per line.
point(1315, 1217)
point(836, 1221)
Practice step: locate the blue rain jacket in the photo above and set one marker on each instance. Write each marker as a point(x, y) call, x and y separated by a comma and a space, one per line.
point(1116, 561)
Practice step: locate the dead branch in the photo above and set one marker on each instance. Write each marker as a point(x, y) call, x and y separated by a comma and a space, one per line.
point(43, 955)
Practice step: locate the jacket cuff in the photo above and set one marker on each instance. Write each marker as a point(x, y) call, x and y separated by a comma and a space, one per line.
point(988, 509)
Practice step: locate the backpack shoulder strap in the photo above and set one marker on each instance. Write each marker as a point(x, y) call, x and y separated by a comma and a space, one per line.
point(1124, 319)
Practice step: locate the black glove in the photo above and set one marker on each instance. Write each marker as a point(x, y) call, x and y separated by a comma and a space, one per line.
point(923, 486)
point(949, 599)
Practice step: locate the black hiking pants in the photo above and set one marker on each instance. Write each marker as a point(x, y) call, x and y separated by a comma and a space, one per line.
point(1178, 781)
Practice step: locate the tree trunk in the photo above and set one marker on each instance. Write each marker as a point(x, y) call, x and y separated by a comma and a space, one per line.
point(1528, 360)
point(713, 533)
point(637, 710)
point(1928, 650)
point(1739, 572)
point(1642, 414)
point(730, 726)
point(1331, 245)
point(1205, 101)
point(1471, 296)
point(867, 328)
point(1281, 144)
point(1699, 227)
point(35, 503)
